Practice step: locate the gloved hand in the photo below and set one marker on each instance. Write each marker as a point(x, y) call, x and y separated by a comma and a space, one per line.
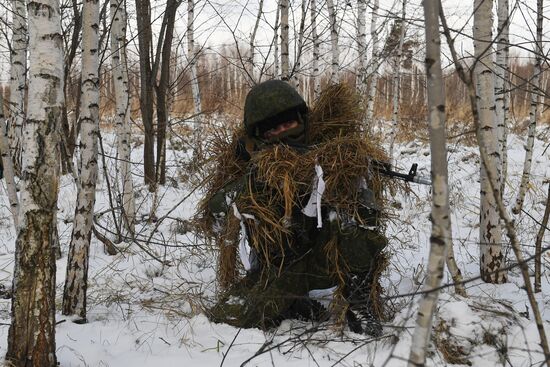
point(220, 204)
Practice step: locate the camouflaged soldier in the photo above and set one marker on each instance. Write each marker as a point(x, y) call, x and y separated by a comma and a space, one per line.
point(275, 113)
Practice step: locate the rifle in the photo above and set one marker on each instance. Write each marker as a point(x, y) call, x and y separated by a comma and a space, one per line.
point(385, 169)
point(382, 167)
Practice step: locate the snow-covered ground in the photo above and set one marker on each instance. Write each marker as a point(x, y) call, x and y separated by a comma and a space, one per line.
point(145, 311)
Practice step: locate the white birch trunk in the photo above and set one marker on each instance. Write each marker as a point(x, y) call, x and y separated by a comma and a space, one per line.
point(507, 97)
point(335, 51)
point(501, 83)
point(276, 44)
point(227, 74)
point(535, 87)
point(18, 80)
point(299, 48)
point(7, 162)
point(396, 82)
point(513, 237)
point(373, 69)
point(122, 116)
point(74, 294)
point(361, 80)
point(285, 66)
point(252, 45)
point(31, 335)
point(490, 232)
point(192, 57)
point(440, 239)
point(316, 52)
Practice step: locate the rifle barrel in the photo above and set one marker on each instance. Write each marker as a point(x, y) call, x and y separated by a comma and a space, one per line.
point(410, 177)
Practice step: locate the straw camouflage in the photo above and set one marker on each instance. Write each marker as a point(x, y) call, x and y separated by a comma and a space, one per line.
point(293, 255)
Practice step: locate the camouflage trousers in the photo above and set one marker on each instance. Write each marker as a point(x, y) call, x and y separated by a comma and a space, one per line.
point(262, 299)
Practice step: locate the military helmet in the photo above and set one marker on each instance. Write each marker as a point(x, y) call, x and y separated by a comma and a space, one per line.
point(270, 102)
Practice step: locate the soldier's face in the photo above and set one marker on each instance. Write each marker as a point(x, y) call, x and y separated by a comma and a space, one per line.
point(279, 129)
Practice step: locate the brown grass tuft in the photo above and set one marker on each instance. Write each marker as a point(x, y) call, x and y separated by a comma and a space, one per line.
point(452, 353)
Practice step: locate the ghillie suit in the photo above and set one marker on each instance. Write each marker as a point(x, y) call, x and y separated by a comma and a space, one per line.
point(302, 214)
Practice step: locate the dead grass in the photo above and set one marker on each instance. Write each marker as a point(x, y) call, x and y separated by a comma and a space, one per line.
point(452, 353)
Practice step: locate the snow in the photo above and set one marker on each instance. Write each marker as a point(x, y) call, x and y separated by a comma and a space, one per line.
point(147, 312)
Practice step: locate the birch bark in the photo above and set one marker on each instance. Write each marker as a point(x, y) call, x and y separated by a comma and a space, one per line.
point(373, 69)
point(538, 244)
point(252, 45)
point(31, 337)
point(276, 44)
point(396, 81)
point(7, 162)
point(316, 53)
point(535, 87)
point(285, 67)
point(501, 84)
point(335, 65)
point(122, 115)
point(299, 48)
point(361, 79)
point(490, 232)
point(76, 281)
point(440, 239)
point(192, 57)
point(18, 80)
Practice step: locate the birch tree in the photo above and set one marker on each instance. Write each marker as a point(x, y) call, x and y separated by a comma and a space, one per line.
point(538, 243)
point(7, 162)
point(31, 336)
point(76, 281)
point(361, 79)
point(122, 112)
point(285, 67)
point(440, 239)
point(299, 47)
point(192, 57)
point(535, 87)
point(252, 45)
point(396, 79)
point(501, 86)
point(316, 52)
point(18, 80)
point(491, 173)
point(374, 63)
point(490, 232)
point(276, 43)
point(335, 51)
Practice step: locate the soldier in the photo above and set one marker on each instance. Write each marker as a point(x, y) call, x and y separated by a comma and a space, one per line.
point(275, 113)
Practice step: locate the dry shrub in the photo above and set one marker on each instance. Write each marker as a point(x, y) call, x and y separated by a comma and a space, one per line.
point(451, 352)
point(459, 132)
